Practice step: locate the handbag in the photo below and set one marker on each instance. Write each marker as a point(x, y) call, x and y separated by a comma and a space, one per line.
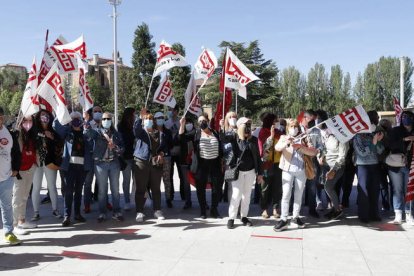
point(232, 174)
point(309, 170)
point(396, 160)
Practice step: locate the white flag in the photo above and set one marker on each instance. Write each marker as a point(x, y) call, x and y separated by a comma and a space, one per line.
point(85, 97)
point(167, 58)
point(77, 46)
point(51, 90)
point(237, 75)
point(30, 101)
point(47, 61)
point(164, 94)
point(190, 93)
point(345, 125)
point(205, 65)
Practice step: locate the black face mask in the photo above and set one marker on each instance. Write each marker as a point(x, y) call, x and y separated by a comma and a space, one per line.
point(204, 125)
point(248, 129)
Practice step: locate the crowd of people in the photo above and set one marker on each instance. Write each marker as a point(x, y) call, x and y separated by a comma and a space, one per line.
point(287, 161)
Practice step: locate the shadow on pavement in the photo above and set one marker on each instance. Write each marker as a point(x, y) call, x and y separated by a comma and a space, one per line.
point(25, 260)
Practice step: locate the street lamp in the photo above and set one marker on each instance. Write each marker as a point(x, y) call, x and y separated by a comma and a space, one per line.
point(114, 15)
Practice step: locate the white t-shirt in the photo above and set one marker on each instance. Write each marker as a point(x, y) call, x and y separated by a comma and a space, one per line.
point(6, 144)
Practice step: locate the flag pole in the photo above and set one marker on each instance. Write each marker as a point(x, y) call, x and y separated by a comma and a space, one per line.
point(236, 100)
point(149, 90)
point(195, 96)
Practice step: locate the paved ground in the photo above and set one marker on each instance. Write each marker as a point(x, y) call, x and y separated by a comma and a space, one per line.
point(186, 245)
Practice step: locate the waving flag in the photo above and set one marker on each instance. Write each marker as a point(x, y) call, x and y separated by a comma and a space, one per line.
point(167, 58)
point(191, 96)
point(47, 60)
point(345, 125)
point(85, 97)
point(164, 94)
point(398, 111)
point(51, 90)
point(205, 65)
point(236, 74)
point(410, 186)
point(77, 46)
point(30, 102)
point(219, 109)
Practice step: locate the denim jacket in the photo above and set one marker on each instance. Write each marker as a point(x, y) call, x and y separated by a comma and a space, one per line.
point(142, 146)
point(366, 153)
point(65, 132)
point(101, 144)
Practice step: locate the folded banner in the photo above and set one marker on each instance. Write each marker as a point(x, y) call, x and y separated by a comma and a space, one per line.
point(164, 94)
point(167, 58)
point(30, 101)
point(205, 65)
point(85, 97)
point(345, 125)
point(236, 74)
point(52, 91)
point(190, 93)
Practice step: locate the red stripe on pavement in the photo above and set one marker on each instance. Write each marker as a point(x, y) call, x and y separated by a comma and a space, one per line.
point(276, 237)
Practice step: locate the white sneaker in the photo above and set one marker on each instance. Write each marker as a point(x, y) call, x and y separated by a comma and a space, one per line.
point(127, 207)
point(398, 217)
point(140, 217)
point(27, 225)
point(409, 219)
point(20, 231)
point(158, 215)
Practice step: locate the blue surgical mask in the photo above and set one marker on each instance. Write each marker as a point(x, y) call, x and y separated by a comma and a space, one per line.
point(97, 116)
point(407, 121)
point(160, 122)
point(106, 124)
point(148, 123)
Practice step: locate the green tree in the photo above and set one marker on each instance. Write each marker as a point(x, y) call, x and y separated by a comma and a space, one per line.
point(291, 87)
point(99, 94)
point(317, 89)
point(6, 97)
point(15, 103)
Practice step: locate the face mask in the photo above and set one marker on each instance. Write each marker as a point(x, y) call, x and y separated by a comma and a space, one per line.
point(373, 127)
point(160, 122)
point(76, 122)
point(148, 123)
point(169, 114)
point(293, 131)
point(27, 125)
point(97, 116)
point(44, 119)
point(407, 121)
point(204, 125)
point(189, 127)
point(232, 122)
point(106, 124)
point(277, 125)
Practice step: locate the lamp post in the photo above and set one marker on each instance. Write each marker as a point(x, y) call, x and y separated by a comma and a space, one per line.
point(114, 15)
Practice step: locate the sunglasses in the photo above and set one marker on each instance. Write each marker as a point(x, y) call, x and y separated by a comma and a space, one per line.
point(106, 119)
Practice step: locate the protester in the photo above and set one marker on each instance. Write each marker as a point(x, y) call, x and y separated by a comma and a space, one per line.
point(248, 162)
point(23, 181)
point(367, 148)
point(76, 163)
point(87, 187)
point(208, 151)
point(149, 154)
point(108, 147)
point(293, 176)
point(228, 127)
point(49, 154)
point(10, 158)
point(125, 128)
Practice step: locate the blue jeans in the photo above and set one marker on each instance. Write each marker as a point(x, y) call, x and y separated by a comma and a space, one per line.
point(399, 180)
point(74, 178)
point(6, 195)
point(126, 179)
point(104, 171)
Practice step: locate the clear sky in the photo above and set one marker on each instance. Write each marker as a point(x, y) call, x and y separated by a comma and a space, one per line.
point(351, 33)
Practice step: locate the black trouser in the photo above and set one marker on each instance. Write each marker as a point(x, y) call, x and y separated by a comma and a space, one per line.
point(385, 187)
point(271, 189)
point(208, 169)
point(74, 179)
point(175, 159)
point(147, 176)
point(347, 183)
point(368, 191)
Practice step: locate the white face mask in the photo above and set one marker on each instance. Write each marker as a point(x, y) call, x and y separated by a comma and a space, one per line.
point(373, 127)
point(232, 122)
point(189, 127)
point(293, 131)
point(277, 125)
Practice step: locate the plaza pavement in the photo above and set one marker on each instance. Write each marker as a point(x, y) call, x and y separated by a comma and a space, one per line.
point(186, 245)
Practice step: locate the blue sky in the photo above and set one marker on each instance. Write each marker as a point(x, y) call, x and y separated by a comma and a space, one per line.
point(299, 33)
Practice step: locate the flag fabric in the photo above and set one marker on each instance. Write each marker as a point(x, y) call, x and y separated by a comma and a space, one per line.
point(410, 186)
point(190, 93)
point(77, 46)
point(47, 61)
point(30, 101)
point(219, 109)
point(345, 125)
point(167, 58)
point(85, 97)
point(236, 74)
point(51, 90)
point(164, 94)
point(398, 111)
point(205, 65)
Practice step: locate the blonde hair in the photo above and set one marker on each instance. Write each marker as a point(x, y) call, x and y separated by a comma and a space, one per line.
point(241, 131)
point(291, 123)
point(227, 118)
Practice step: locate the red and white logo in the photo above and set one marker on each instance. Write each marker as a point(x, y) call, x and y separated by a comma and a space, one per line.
point(207, 63)
point(4, 141)
point(233, 70)
point(353, 121)
point(165, 50)
point(165, 92)
point(56, 83)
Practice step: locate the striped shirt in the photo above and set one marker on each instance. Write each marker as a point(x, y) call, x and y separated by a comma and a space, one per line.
point(209, 147)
